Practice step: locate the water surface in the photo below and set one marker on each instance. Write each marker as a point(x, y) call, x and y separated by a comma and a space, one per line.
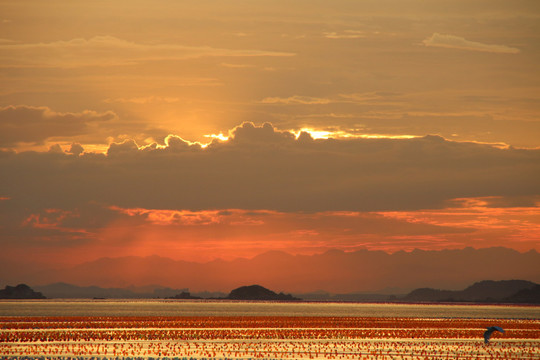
point(245, 308)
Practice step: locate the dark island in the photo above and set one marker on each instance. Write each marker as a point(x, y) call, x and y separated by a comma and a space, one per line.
point(252, 292)
point(487, 291)
point(526, 296)
point(184, 295)
point(21, 291)
point(257, 292)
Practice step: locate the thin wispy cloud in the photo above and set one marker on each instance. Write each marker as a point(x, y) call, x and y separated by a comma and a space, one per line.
point(110, 51)
point(346, 34)
point(457, 42)
point(237, 66)
point(353, 98)
point(296, 99)
point(143, 100)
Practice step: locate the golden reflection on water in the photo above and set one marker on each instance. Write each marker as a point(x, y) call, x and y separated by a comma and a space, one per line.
point(245, 308)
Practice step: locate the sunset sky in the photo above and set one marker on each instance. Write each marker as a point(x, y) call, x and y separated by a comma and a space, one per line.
point(201, 129)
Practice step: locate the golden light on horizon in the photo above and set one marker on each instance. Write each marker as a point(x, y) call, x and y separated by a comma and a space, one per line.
point(340, 134)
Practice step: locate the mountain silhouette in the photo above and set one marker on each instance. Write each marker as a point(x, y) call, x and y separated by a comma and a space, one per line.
point(334, 271)
point(483, 291)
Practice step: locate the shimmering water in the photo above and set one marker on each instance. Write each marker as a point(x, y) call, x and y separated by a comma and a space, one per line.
point(245, 308)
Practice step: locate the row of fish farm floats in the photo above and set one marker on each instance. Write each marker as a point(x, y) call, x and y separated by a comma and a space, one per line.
point(267, 337)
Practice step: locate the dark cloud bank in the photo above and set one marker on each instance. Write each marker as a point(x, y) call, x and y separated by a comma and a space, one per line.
point(262, 168)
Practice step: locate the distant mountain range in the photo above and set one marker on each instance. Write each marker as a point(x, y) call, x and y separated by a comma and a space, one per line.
point(334, 271)
point(487, 291)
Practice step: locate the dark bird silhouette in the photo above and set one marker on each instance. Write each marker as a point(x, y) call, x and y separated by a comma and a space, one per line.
point(490, 330)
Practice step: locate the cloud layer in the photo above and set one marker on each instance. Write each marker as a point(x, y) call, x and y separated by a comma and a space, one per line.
point(263, 168)
point(266, 189)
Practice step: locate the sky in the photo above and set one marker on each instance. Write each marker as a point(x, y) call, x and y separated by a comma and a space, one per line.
point(199, 130)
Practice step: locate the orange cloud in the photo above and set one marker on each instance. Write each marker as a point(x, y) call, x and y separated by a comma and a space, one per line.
point(497, 226)
point(204, 235)
point(63, 238)
point(193, 218)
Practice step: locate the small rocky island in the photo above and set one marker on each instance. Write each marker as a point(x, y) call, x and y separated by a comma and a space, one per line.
point(252, 292)
point(184, 295)
point(257, 292)
point(21, 291)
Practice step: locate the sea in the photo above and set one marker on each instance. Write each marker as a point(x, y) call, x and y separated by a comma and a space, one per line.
point(161, 307)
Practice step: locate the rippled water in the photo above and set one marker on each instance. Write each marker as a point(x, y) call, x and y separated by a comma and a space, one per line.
point(245, 308)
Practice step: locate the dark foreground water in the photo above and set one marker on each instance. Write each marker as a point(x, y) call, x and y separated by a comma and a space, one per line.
point(246, 308)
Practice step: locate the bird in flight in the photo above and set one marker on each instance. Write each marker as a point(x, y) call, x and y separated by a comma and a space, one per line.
point(490, 330)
